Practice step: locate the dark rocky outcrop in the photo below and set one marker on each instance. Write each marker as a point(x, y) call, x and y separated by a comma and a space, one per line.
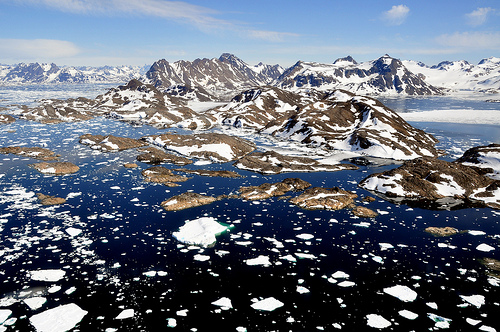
point(442, 231)
point(268, 190)
point(6, 119)
point(156, 156)
point(34, 152)
point(186, 200)
point(110, 143)
point(50, 200)
point(485, 157)
point(56, 168)
point(364, 212)
point(211, 173)
point(431, 179)
point(159, 174)
point(271, 162)
point(324, 199)
point(211, 146)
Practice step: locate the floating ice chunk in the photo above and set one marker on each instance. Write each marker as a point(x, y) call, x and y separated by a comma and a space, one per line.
point(475, 233)
point(47, 275)
point(441, 322)
point(115, 188)
point(432, 305)
point(268, 304)
point(484, 247)
point(150, 274)
point(73, 231)
point(171, 322)
point(385, 246)
point(4, 315)
point(487, 329)
point(126, 313)
point(377, 321)
point(289, 258)
point(378, 259)
point(472, 322)
point(408, 314)
point(475, 300)
point(183, 312)
point(305, 236)
point(35, 302)
point(347, 283)
point(241, 329)
point(201, 258)
point(201, 231)
point(260, 260)
point(302, 290)
point(58, 319)
point(340, 275)
point(303, 255)
point(224, 303)
point(403, 293)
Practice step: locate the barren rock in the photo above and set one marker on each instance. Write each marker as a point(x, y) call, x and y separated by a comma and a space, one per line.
point(158, 174)
point(56, 168)
point(323, 198)
point(6, 119)
point(267, 190)
point(204, 172)
point(50, 200)
point(110, 142)
point(35, 152)
point(156, 156)
point(186, 200)
point(363, 212)
point(130, 165)
point(442, 231)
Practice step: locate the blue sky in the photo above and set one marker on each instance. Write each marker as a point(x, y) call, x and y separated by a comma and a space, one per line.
point(139, 32)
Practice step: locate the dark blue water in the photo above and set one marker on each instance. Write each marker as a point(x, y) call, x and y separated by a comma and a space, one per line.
point(126, 235)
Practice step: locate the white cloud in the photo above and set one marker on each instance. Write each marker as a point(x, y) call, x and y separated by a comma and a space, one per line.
point(272, 36)
point(471, 40)
point(396, 15)
point(29, 49)
point(479, 16)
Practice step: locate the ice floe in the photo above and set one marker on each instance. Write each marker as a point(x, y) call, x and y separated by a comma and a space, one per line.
point(59, 319)
point(377, 321)
point(47, 275)
point(201, 231)
point(267, 304)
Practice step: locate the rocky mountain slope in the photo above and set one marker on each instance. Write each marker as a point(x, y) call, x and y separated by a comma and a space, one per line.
point(461, 75)
point(43, 73)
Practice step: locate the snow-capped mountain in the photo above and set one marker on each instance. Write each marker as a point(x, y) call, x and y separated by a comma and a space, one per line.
point(461, 75)
point(220, 77)
point(384, 76)
point(24, 73)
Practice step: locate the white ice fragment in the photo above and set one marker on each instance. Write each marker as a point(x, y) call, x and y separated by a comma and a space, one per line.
point(183, 312)
point(201, 231)
point(403, 293)
point(268, 304)
point(126, 313)
point(472, 322)
point(260, 260)
point(54, 289)
point(35, 302)
point(377, 321)
point(475, 233)
point(4, 315)
point(150, 274)
point(432, 305)
point(487, 328)
point(346, 283)
point(305, 236)
point(408, 314)
point(441, 322)
point(47, 275)
point(59, 319)
point(302, 290)
point(340, 275)
point(385, 246)
point(484, 247)
point(224, 303)
point(475, 300)
point(201, 258)
point(73, 231)
point(171, 322)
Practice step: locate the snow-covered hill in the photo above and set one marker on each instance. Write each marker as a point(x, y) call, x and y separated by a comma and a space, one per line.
point(44, 73)
point(461, 75)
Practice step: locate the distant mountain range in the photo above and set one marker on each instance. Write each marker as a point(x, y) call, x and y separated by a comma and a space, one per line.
point(222, 78)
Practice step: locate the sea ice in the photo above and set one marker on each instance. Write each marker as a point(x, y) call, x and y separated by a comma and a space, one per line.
point(260, 260)
point(35, 302)
point(377, 321)
point(58, 319)
point(475, 300)
point(224, 303)
point(268, 304)
point(475, 233)
point(47, 275)
point(171, 322)
point(4, 315)
point(441, 322)
point(201, 258)
point(484, 247)
point(201, 231)
point(346, 283)
point(403, 293)
point(73, 231)
point(127, 313)
point(408, 314)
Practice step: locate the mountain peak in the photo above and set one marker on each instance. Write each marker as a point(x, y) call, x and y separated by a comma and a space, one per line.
point(348, 59)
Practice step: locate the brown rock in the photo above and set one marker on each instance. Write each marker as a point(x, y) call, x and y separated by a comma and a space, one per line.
point(323, 198)
point(271, 162)
point(204, 172)
point(56, 168)
point(442, 231)
point(363, 212)
point(6, 119)
point(369, 199)
point(50, 200)
point(492, 264)
point(110, 142)
point(267, 190)
point(130, 165)
point(158, 174)
point(156, 156)
point(186, 200)
point(35, 152)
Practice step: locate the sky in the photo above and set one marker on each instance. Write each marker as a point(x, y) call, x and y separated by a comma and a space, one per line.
point(139, 32)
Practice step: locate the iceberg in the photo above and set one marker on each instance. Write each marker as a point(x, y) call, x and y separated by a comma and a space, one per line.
point(59, 319)
point(403, 293)
point(201, 231)
point(268, 304)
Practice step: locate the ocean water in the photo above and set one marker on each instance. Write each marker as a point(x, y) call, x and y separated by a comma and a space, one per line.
point(329, 270)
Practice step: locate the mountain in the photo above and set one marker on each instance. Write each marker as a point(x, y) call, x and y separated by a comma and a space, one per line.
point(43, 73)
point(383, 76)
point(461, 75)
point(220, 77)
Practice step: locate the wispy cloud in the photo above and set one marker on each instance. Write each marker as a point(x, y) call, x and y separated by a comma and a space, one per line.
point(471, 40)
point(396, 15)
point(37, 49)
point(479, 16)
point(272, 36)
point(201, 17)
